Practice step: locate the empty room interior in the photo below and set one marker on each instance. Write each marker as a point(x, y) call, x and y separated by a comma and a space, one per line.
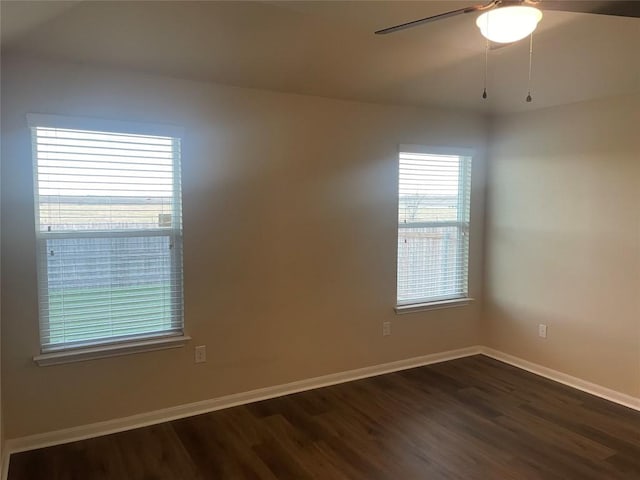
point(371, 240)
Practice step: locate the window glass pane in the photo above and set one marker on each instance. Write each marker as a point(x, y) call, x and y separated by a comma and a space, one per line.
point(428, 187)
point(431, 264)
point(101, 181)
point(108, 287)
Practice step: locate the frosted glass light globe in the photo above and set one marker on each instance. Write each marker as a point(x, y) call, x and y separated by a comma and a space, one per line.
point(509, 24)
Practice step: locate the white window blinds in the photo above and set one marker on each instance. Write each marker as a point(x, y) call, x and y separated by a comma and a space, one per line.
point(433, 227)
point(109, 234)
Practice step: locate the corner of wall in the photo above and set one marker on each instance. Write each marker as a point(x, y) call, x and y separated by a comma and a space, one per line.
point(484, 334)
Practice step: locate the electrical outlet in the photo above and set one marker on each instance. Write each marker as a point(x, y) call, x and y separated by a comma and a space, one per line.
point(201, 354)
point(386, 328)
point(542, 330)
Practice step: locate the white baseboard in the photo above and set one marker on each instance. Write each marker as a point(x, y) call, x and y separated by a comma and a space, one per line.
point(578, 383)
point(67, 435)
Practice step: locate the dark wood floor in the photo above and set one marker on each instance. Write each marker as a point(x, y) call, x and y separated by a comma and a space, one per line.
point(473, 418)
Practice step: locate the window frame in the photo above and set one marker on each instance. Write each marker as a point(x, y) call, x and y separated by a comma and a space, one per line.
point(110, 346)
point(466, 155)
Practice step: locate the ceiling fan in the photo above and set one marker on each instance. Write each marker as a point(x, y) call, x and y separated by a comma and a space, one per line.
point(507, 21)
point(521, 17)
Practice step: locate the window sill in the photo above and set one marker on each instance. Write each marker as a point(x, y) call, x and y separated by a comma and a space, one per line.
point(421, 307)
point(113, 350)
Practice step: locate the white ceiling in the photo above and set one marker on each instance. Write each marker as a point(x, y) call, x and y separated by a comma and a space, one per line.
point(328, 48)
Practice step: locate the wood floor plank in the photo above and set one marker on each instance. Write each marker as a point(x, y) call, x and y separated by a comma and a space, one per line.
point(473, 418)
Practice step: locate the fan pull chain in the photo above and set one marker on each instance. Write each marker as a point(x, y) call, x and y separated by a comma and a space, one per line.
point(530, 62)
point(486, 68)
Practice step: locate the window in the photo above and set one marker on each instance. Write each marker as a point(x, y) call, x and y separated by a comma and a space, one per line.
point(109, 233)
point(433, 225)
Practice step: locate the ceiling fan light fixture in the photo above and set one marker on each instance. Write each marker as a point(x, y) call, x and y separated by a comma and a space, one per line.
point(509, 24)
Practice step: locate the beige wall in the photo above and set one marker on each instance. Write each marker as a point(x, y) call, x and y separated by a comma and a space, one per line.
point(563, 240)
point(289, 239)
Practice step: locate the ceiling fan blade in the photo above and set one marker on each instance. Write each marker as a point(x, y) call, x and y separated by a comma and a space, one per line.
point(453, 13)
point(626, 8)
